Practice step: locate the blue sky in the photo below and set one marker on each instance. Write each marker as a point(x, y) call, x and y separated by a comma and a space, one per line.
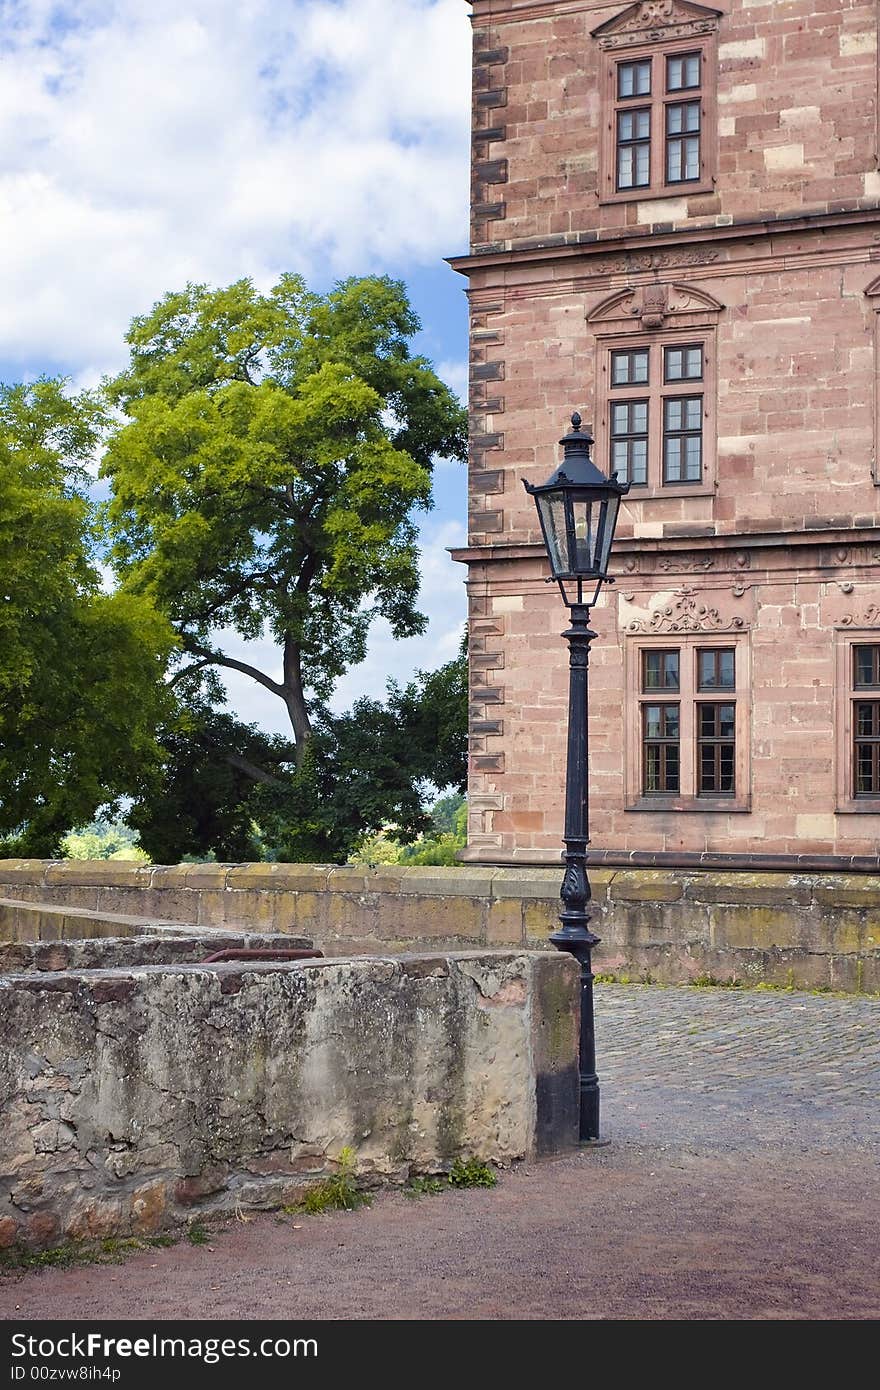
point(150, 142)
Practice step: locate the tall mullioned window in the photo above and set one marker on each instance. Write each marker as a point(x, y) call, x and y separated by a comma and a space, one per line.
point(691, 712)
point(866, 720)
point(658, 123)
point(656, 413)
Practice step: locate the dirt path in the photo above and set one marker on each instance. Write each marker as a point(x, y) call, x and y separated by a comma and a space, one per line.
point(741, 1183)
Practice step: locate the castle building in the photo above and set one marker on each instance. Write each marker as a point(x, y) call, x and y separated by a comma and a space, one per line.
point(676, 231)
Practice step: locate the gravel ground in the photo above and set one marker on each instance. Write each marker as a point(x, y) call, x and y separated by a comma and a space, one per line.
point(740, 1183)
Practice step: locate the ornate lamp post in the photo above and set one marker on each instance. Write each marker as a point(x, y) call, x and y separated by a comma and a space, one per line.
point(578, 508)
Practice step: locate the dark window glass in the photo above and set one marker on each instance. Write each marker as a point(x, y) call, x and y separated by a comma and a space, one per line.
point(660, 670)
point(715, 669)
point(629, 441)
point(630, 368)
point(683, 142)
point(634, 148)
point(682, 72)
point(682, 439)
point(634, 79)
point(866, 745)
point(866, 666)
point(716, 749)
point(683, 363)
point(661, 752)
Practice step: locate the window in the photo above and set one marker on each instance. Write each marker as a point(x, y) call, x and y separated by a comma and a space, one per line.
point(661, 114)
point(656, 433)
point(866, 721)
point(691, 714)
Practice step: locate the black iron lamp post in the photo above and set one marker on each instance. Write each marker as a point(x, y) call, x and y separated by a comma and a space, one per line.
point(578, 508)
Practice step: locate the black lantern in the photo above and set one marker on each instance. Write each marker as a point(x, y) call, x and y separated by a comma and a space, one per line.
point(578, 509)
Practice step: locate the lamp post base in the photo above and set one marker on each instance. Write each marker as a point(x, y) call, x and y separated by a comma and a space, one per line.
point(578, 941)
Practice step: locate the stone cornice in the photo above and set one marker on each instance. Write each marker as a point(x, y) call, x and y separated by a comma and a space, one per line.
point(837, 546)
point(653, 243)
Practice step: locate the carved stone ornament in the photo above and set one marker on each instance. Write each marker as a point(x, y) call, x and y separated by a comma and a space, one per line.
point(655, 20)
point(870, 617)
point(686, 615)
point(653, 304)
point(681, 563)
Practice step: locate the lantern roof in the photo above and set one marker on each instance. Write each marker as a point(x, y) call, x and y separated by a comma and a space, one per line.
point(577, 469)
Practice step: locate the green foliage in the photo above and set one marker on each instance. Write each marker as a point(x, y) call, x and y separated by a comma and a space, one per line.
point(234, 792)
point(103, 840)
point(75, 1254)
point(471, 1172)
point(197, 1234)
point(426, 1187)
point(264, 479)
point(337, 1193)
point(449, 813)
point(81, 671)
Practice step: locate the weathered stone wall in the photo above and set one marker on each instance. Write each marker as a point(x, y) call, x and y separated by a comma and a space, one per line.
point(806, 928)
point(133, 1096)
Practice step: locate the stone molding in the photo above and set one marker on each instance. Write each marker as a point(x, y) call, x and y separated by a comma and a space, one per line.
point(687, 614)
point(656, 21)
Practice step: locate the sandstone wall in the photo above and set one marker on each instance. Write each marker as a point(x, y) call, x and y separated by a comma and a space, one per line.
point(805, 927)
point(133, 1096)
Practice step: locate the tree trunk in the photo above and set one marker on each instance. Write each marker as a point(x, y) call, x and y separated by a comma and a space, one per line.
point(294, 698)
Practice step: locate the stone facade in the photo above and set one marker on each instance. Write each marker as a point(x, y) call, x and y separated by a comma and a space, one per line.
point(136, 1096)
point(768, 264)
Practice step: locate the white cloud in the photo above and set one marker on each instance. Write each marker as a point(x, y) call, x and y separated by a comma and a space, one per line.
point(147, 144)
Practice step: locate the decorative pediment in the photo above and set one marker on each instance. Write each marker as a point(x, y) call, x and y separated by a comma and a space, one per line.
point(653, 305)
point(652, 21)
point(873, 290)
point(687, 614)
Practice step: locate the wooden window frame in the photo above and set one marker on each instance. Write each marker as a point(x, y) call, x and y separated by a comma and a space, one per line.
point(847, 696)
point(655, 391)
point(657, 53)
point(688, 697)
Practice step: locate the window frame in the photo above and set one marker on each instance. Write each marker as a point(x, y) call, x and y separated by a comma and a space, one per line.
point(658, 100)
point(689, 697)
point(847, 696)
point(656, 390)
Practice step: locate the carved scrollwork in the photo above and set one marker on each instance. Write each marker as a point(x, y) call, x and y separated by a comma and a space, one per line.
point(870, 617)
point(687, 614)
point(656, 19)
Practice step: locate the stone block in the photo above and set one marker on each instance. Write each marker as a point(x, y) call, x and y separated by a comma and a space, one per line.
point(645, 885)
point(743, 887)
point(504, 925)
point(848, 890)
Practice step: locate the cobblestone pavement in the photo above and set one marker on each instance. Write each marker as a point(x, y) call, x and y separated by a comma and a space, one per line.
point(733, 1068)
point(740, 1183)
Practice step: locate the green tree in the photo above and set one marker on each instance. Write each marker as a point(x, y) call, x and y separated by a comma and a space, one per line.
point(234, 792)
point(265, 476)
point(81, 688)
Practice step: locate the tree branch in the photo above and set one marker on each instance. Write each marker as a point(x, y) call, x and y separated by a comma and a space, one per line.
point(218, 659)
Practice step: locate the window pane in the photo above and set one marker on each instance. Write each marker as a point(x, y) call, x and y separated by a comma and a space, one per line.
point(619, 418)
point(683, 364)
point(639, 460)
point(693, 412)
point(672, 459)
point(726, 720)
point(620, 460)
point(652, 721)
point(692, 157)
point(674, 162)
point(672, 762)
point(694, 363)
point(629, 368)
point(643, 165)
point(640, 417)
point(652, 768)
point(674, 414)
point(682, 71)
point(866, 665)
point(660, 670)
point(866, 718)
point(693, 457)
point(671, 721)
point(634, 79)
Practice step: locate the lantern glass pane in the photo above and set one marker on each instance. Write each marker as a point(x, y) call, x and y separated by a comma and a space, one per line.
point(610, 507)
point(585, 516)
point(552, 511)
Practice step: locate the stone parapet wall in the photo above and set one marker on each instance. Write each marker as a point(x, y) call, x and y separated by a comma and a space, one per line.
point(806, 929)
point(135, 1096)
